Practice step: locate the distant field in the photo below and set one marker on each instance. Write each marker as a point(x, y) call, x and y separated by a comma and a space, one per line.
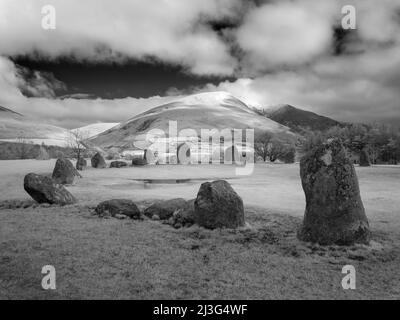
point(120, 259)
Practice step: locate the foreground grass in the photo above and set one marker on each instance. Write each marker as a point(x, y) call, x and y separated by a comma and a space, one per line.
point(125, 259)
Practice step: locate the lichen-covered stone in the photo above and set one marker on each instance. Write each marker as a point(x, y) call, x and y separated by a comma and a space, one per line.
point(334, 210)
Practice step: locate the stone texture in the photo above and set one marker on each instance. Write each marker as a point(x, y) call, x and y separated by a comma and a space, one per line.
point(118, 164)
point(64, 172)
point(98, 161)
point(81, 164)
point(139, 161)
point(184, 217)
point(334, 210)
point(44, 190)
point(165, 209)
point(118, 207)
point(218, 206)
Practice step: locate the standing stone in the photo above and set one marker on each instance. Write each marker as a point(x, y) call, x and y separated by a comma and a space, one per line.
point(118, 164)
point(334, 211)
point(43, 190)
point(98, 161)
point(117, 207)
point(364, 159)
point(64, 172)
point(81, 164)
point(218, 206)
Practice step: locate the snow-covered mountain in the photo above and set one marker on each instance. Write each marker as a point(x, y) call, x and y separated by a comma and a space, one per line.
point(15, 127)
point(94, 129)
point(209, 110)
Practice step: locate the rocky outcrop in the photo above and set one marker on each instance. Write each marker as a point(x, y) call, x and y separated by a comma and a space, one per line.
point(334, 211)
point(218, 206)
point(43, 190)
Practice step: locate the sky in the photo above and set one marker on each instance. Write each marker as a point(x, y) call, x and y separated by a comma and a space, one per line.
point(108, 60)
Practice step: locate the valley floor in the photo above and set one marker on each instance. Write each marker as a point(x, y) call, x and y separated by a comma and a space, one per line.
point(129, 259)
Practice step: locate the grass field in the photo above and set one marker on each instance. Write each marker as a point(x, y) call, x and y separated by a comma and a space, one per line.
point(129, 259)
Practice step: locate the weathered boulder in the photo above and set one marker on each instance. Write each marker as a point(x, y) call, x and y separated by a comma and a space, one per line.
point(334, 210)
point(64, 172)
point(117, 207)
point(81, 164)
point(218, 206)
point(364, 159)
point(44, 190)
point(118, 164)
point(165, 209)
point(98, 161)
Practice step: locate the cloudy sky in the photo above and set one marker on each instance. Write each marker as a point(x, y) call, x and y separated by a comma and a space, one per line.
point(108, 60)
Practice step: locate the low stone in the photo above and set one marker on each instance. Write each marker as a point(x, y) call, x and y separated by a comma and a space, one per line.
point(165, 209)
point(218, 206)
point(118, 164)
point(139, 161)
point(118, 206)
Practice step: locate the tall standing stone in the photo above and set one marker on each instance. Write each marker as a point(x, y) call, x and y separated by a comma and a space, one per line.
point(218, 206)
point(98, 161)
point(334, 210)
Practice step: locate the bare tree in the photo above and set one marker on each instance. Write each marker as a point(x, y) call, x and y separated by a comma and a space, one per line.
point(76, 142)
point(276, 150)
point(262, 145)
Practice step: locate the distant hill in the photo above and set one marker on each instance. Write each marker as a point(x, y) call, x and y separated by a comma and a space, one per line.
point(15, 127)
point(209, 110)
point(298, 119)
point(94, 129)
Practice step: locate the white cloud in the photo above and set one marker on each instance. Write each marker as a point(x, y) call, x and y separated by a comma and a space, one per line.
point(287, 48)
point(286, 33)
point(171, 31)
